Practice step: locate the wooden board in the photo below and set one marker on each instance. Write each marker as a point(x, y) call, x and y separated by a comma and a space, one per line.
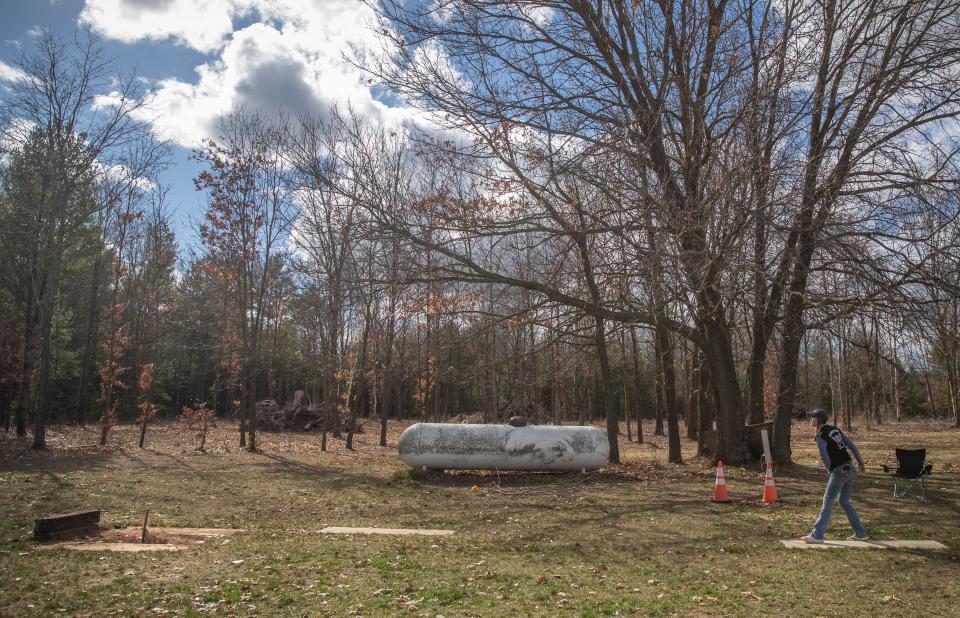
point(386, 531)
point(798, 544)
point(65, 524)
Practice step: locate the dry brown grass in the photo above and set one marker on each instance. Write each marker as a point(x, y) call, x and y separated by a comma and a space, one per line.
point(636, 539)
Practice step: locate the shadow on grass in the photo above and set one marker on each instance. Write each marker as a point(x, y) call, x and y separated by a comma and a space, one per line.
point(336, 477)
point(611, 475)
point(17, 456)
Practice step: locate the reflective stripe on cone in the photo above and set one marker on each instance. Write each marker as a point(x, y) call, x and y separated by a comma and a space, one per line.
point(769, 488)
point(720, 487)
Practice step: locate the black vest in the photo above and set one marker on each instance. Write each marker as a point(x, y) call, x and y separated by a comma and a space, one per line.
point(836, 449)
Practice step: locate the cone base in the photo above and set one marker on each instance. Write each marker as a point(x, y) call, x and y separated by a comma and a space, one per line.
point(727, 501)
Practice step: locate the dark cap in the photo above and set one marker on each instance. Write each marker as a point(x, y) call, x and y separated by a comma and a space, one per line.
point(818, 414)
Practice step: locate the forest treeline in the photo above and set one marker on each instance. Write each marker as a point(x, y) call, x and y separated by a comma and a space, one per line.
point(717, 214)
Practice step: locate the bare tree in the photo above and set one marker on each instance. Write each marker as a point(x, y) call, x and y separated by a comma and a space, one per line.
point(247, 219)
point(84, 116)
point(882, 74)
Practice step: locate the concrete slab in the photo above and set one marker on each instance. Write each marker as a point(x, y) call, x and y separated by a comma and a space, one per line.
point(386, 531)
point(198, 532)
point(798, 544)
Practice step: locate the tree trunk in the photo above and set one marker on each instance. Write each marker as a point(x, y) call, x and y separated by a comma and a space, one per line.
point(5, 401)
point(705, 410)
point(793, 330)
point(790, 351)
point(875, 373)
point(250, 395)
point(610, 408)
point(243, 422)
point(669, 395)
point(386, 368)
point(661, 398)
point(353, 401)
point(626, 411)
point(26, 369)
point(694, 401)
point(635, 353)
point(47, 303)
point(624, 382)
point(931, 402)
point(89, 358)
point(728, 400)
point(953, 388)
point(806, 371)
point(578, 399)
point(755, 375)
point(143, 432)
point(331, 386)
point(843, 386)
point(386, 400)
point(43, 380)
point(895, 377)
point(688, 387)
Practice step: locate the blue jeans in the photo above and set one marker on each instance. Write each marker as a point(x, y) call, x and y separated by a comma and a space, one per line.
point(839, 486)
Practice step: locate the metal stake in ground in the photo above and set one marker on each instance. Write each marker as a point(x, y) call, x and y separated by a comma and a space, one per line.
point(143, 532)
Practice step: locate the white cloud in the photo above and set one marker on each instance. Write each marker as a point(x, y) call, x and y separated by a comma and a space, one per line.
point(9, 73)
point(13, 136)
point(442, 10)
point(119, 175)
point(292, 57)
point(200, 24)
point(538, 14)
point(113, 99)
point(430, 58)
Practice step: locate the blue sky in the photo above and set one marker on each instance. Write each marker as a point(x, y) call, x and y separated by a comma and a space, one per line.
point(204, 58)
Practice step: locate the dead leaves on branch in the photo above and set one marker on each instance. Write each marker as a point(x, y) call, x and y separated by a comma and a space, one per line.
point(197, 418)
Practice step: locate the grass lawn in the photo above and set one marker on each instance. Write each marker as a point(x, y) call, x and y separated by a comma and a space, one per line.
point(636, 539)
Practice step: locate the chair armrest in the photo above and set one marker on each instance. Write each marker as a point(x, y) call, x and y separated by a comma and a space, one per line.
point(927, 468)
point(886, 469)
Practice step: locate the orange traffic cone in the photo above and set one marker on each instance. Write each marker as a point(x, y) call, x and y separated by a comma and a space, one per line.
point(769, 489)
point(720, 487)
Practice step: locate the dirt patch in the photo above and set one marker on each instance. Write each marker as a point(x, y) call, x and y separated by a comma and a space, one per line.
point(128, 539)
point(171, 536)
point(118, 547)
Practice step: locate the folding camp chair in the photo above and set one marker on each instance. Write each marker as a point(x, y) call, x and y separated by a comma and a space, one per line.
point(912, 469)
